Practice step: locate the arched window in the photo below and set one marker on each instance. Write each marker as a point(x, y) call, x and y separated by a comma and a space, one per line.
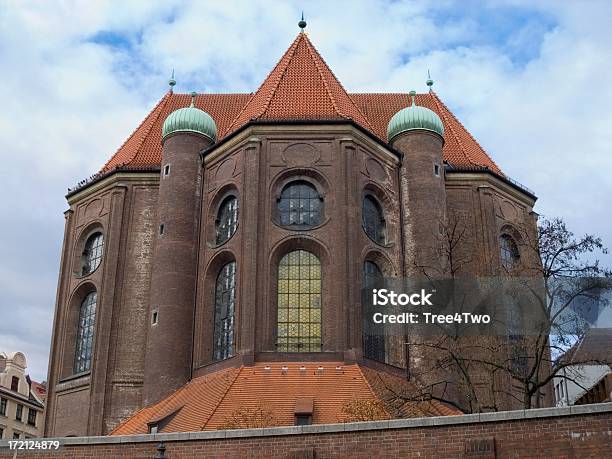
point(373, 220)
point(227, 219)
point(299, 303)
point(300, 206)
point(85, 333)
point(509, 252)
point(373, 345)
point(92, 253)
point(225, 302)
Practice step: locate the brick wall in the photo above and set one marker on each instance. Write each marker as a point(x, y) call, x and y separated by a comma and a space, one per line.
point(578, 431)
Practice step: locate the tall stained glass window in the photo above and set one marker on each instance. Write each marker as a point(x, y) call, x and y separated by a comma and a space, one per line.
point(85, 333)
point(373, 345)
point(227, 220)
point(509, 252)
point(225, 303)
point(373, 220)
point(92, 253)
point(299, 303)
point(300, 206)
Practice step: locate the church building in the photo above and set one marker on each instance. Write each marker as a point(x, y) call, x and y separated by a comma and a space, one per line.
point(213, 267)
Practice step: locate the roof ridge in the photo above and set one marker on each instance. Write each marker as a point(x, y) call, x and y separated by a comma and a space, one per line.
point(444, 112)
point(467, 131)
point(229, 386)
point(312, 49)
point(163, 403)
point(160, 105)
point(372, 391)
point(289, 55)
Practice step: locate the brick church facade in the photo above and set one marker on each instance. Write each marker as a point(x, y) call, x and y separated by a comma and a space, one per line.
point(228, 239)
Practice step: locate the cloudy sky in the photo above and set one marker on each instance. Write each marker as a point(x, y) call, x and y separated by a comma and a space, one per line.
point(531, 80)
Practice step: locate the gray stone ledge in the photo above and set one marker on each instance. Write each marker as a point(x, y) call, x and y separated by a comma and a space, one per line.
point(346, 427)
point(368, 425)
point(412, 422)
point(289, 430)
point(497, 416)
point(547, 412)
point(461, 419)
point(241, 433)
point(322, 428)
point(589, 409)
point(210, 434)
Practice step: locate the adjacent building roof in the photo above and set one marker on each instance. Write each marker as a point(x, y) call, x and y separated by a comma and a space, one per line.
point(281, 390)
point(300, 87)
point(596, 345)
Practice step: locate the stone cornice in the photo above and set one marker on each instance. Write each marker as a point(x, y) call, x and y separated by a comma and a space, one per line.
point(117, 178)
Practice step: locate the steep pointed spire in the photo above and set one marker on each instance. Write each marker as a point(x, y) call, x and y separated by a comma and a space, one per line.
point(300, 87)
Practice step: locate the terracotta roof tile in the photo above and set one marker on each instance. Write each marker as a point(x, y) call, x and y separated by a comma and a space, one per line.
point(143, 148)
point(595, 345)
point(460, 148)
point(400, 396)
point(197, 401)
point(207, 402)
point(300, 87)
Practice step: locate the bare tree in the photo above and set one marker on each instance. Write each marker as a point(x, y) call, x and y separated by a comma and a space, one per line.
point(561, 277)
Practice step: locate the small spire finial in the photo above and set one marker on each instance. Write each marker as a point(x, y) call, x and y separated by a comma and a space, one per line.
point(302, 23)
point(412, 95)
point(429, 81)
point(172, 81)
point(193, 96)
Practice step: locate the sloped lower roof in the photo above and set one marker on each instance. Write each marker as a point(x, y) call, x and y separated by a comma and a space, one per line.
point(207, 402)
point(596, 345)
point(300, 87)
point(143, 148)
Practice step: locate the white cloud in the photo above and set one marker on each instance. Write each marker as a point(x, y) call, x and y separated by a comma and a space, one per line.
point(68, 102)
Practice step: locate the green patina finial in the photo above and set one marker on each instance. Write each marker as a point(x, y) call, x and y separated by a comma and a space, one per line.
point(302, 23)
point(429, 81)
point(412, 95)
point(172, 81)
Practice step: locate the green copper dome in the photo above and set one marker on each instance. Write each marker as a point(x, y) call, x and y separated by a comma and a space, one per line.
point(414, 117)
point(190, 119)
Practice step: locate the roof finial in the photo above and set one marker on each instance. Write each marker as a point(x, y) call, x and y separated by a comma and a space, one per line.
point(412, 95)
point(302, 23)
point(429, 81)
point(172, 81)
point(193, 96)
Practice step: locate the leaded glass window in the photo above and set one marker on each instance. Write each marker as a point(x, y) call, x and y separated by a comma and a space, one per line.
point(373, 220)
point(92, 253)
point(509, 252)
point(85, 333)
point(300, 206)
point(227, 219)
point(299, 303)
point(373, 345)
point(225, 303)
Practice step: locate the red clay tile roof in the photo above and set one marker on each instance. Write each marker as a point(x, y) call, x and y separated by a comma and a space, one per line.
point(300, 87)
point(207, 402)
point(401, 397)
point(595, 345)
point(460, 148)
point(143, 148)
